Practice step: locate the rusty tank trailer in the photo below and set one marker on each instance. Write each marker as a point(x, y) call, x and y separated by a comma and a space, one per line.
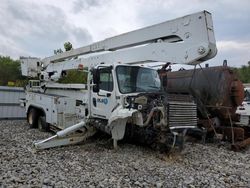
point(217, 90)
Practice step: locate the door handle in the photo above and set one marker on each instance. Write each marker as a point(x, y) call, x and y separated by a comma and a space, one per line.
point(104, 95)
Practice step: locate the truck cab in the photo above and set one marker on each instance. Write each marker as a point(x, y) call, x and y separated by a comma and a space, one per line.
point(113, 84)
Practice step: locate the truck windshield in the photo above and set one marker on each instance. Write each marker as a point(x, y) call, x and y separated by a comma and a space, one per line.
point(132, 79)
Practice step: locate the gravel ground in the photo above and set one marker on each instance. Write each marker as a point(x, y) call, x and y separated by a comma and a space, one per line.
point(96, 164)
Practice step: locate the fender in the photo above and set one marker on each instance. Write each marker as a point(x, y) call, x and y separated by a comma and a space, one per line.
point(117, 121)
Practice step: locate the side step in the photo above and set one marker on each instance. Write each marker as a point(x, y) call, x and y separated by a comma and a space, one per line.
point(66, 137)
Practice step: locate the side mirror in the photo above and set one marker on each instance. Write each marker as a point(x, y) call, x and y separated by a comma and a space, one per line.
point(96, 76)
point(96, 80)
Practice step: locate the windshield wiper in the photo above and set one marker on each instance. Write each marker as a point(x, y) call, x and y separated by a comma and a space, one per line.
point(135, 88)
point(154, 87)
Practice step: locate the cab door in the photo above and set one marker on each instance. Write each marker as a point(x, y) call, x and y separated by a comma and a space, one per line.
point(104, 100)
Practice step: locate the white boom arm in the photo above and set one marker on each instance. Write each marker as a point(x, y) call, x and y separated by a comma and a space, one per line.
point(186, 40)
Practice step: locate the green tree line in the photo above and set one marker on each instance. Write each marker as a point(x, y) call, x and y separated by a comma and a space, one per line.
point(11, 75)
point(244, 73)
point(10, 72)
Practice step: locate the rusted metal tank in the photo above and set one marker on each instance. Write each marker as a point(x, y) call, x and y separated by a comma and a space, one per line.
point(217, 90)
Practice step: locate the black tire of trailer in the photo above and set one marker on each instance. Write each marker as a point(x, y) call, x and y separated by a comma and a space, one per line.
point(42, 124)
point(32, 117)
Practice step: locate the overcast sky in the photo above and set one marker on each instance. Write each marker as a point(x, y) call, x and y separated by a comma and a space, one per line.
point(36, 28)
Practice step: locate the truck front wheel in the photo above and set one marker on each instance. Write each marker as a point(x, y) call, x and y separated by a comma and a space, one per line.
point(32, 118)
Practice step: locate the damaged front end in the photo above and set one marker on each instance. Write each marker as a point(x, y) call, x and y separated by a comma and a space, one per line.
point(161, 121)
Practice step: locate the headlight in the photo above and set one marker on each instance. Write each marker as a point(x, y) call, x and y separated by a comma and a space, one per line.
point(139, 107)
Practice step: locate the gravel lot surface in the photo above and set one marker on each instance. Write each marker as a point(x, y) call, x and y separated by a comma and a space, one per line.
point(96, 164)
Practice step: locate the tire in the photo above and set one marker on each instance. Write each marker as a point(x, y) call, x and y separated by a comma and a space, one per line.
point(42, 125)
point(32, 118)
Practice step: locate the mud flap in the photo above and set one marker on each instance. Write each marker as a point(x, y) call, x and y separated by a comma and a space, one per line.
point(118, 130)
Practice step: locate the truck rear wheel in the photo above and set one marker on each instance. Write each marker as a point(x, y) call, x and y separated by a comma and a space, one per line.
point(42, 125)
point(32, 118)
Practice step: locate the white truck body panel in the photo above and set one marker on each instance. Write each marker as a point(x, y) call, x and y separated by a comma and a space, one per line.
point(60, 111)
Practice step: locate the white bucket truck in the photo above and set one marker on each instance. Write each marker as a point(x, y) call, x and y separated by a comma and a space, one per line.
point(122, 95)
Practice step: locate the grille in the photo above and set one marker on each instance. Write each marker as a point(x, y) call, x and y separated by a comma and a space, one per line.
point(182, 114)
